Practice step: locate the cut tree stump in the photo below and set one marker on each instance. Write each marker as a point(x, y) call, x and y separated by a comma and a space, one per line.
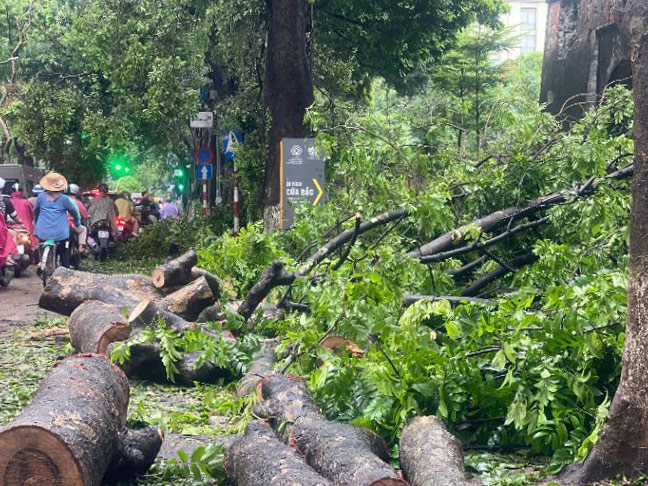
point(212, 280)
point(189, 301)
point(260, 459)
point(72, 430)
point(342, 453)
point(262, 362)
point(176, 271)
point(430, 455)
point(94, 325)
point(68, 289)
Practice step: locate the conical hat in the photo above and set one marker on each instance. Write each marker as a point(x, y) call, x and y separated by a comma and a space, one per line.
point(54, 182)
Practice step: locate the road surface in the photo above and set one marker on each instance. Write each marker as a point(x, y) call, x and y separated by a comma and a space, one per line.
point(19, 302)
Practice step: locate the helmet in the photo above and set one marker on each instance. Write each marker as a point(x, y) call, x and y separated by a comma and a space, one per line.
point(38, 189)
point(74, 189)
point(16, 187)
point(103, 188)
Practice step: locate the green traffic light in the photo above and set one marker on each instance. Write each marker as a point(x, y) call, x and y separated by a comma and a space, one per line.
point(126, 169)
point(118, 167)
point(83, 136)
point(181, 187)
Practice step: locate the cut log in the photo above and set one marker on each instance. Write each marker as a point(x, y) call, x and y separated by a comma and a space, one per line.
point(212, 280)
point(135, 451)
point(69, 433)
point(262, 363)
point(148, 312)
point(176, 271)
point(342, 453)
point(430, 455)
point(189, 301)
point(260, 459)
point(94, 325)
point(212, 313)
point(68, 289)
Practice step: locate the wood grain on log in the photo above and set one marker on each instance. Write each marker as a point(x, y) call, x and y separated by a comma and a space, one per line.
point(430, 455)
point(67, 435)
point(189, 301)
point(176, 271)
point(342, 453)
point(94, 325)
point(260, 459)
point(68, 289)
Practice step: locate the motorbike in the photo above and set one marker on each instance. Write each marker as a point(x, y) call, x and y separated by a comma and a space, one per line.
point(6, 274)
point(100, 239)
point(26, 254)
point(124, 230)
point(148, 214)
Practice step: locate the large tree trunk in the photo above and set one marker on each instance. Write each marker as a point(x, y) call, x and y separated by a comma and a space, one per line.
point(288, 90)
point(262, 363)
point(175, 272)
point(260, 459)
point(430, 455)
point(621, 449)
point(73, 429)
point(342, 453)
point(68, 289)
point(94, 325)
point(189, 301)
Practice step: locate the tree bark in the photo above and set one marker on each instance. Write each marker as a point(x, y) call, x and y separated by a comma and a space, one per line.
point(94, 325)
point(212, 313)
point(262, 363)
point(272, 277)
point(147, 312)
point(189, 301)
point(71, 431)
point(135, 452)
point(498, 272)
point(288, 90)
point(342, 453)
point(621, 449)
point(68, 289)
point(176, 271)
point(259, 458)
point(212, 280)
point(430, 455)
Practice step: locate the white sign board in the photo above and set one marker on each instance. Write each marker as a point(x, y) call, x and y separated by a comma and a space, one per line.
point(205, 119)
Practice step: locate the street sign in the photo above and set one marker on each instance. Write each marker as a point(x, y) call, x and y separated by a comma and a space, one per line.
point(204, 119)
point(203, 172)
point(302, 176)
point(231, 143)
point(204, 155)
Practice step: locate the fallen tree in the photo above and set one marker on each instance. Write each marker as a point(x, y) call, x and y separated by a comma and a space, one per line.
point(262, 363)
point(75, 429)
point(189, 301)
point(342, 453)
point(259, 458)
point(94, 325)
point(175, 272)
point(430, 455)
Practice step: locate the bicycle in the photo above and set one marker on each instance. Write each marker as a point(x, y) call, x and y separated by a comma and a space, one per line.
point(49, 259)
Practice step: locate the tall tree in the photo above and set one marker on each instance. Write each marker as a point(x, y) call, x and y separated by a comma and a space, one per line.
point(623, 446)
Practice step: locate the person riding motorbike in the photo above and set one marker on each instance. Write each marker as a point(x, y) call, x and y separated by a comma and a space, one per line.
point(7, 245)
point(50, 215)
point(23, 208)
point(7, 209)
point(36, 190)
point(103, 208)
point(127, 213)
point(82, 232)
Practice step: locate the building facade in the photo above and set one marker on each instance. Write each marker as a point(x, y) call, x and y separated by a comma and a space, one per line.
point(584, 53)
point(528, 20)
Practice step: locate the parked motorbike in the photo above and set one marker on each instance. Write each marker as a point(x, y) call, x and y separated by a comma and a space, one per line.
point(100, 240)
point(6, 274)
point(26, 254)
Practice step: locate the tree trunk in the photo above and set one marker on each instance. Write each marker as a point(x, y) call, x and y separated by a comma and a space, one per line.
point(147, 312)
point(260, 459)
point(288, 90)
point(271, 277)
point(342, 453)
point(262, 363)
point(68, 289)
point(135, 452)
point(71, 431)
point(176, 271)
point(430, 455)
point(621, 449)
point(212, 280)
point(94, 325)
point(212, 313)
point(189, 301)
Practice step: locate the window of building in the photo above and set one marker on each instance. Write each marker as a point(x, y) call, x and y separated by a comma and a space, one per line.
point(528, 17)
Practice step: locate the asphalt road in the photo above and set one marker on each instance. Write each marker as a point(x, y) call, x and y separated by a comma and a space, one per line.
point(19, 302)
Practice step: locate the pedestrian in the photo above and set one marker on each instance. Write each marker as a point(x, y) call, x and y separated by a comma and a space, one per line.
point(169, 210)
point(50, 215)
